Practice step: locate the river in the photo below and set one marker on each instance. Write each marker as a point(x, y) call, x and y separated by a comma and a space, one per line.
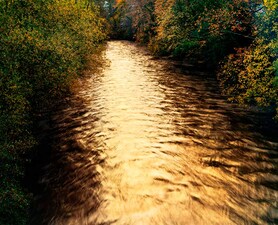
point(153, 143)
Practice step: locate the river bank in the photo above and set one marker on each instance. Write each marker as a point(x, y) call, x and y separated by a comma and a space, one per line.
point(43, 50)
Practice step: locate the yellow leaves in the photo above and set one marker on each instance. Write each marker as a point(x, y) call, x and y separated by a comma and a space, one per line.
point(48, 44)
point(271, 4)
point(248, 76)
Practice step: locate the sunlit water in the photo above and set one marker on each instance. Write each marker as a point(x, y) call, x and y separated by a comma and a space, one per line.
point(152, 144)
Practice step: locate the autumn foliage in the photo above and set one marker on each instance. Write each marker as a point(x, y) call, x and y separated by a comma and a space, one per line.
point(43, 44)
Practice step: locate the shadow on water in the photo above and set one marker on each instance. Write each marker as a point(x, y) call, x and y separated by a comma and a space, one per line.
point(148, 142)
point(64, 170)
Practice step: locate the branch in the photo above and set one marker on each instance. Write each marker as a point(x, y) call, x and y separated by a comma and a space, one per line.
point(235, 33)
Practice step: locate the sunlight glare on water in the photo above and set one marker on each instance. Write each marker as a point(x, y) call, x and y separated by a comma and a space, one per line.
point(154, 145)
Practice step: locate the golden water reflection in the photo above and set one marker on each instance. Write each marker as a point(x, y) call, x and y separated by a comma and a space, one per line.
point(155, 145)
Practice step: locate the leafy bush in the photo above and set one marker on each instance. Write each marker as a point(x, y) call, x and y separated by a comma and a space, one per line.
point(248, 76)
point(186, 47)
point(43, 44)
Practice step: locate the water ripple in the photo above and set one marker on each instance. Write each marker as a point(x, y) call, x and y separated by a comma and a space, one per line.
point(152, 144)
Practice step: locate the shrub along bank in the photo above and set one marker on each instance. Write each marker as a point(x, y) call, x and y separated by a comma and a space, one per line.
point(43, 48)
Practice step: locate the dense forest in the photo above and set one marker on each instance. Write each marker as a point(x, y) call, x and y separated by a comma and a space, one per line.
point(45, 44)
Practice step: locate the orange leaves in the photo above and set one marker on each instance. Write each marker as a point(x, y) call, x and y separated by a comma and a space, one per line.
point(234, 17)
point(118, 2)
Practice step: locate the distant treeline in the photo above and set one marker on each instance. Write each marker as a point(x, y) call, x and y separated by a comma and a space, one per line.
point(43, 48)
point(236, 38)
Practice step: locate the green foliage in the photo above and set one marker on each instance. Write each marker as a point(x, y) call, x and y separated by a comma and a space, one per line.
point(186, 47)
point(129, 19)
point(173, 27)
point(248, 77)
point(43, 44)
point(119, 21)
point(143, 21)
point(194, 29)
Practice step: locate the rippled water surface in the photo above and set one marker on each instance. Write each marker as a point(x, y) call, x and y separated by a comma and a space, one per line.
point(154, 144)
